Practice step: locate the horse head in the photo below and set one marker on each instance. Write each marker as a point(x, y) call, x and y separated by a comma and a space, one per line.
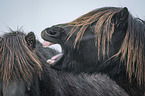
point(90, 41)
point(107, 40)
point(19, 66)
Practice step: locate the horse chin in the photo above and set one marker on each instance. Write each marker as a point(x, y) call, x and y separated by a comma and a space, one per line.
point(55, 61)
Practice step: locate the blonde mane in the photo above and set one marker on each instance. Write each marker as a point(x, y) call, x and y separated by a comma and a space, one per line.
point(17, 61)
point(132, 49)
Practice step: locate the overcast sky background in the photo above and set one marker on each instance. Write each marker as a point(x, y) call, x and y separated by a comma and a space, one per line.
point(36, 15)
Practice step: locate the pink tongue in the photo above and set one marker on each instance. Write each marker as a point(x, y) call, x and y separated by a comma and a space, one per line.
point(56, 56)
point(46, 43)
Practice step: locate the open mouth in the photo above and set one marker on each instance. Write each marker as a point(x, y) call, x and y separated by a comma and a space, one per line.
point(52, 36)
point(55, 59)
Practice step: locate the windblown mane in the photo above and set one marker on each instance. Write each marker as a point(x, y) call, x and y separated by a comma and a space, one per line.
point(132, 49)
point(15, 62)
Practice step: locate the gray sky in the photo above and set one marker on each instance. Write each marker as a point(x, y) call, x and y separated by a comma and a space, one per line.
point(35, 15)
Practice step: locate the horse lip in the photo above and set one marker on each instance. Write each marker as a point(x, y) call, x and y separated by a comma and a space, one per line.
point(57, 64)
point(48, 37)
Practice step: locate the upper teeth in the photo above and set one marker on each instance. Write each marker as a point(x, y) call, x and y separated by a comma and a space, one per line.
point(46, 43)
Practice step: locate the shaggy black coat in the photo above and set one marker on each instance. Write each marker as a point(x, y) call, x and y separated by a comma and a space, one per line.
point(50, 82)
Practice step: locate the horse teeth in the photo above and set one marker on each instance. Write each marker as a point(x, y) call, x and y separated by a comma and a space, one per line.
point(46, 43)
point(50, 61)
point(56, 56)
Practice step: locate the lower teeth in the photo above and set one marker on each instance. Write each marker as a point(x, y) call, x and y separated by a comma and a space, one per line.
point(50, 61)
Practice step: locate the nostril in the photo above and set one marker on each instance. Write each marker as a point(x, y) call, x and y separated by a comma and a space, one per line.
point(51, 32)
point(54, 31)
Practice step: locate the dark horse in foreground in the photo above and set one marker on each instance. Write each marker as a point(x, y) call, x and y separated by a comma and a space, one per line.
point(24, 72)
point(107, 40)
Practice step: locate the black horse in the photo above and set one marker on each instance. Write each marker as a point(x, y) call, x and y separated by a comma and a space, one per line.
point(107, 40)
point(24, 72)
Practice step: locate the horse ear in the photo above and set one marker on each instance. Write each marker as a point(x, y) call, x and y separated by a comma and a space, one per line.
point(120, 19)
point(31, 40)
